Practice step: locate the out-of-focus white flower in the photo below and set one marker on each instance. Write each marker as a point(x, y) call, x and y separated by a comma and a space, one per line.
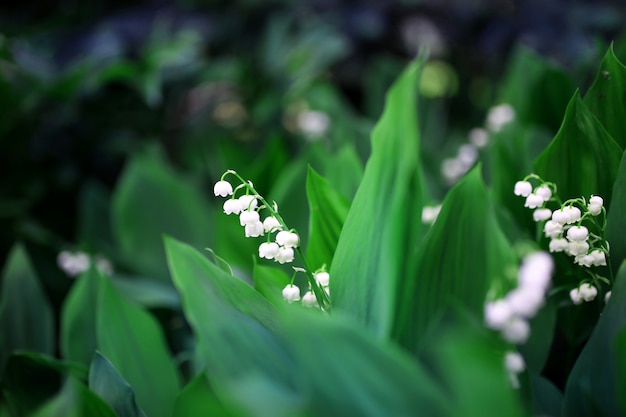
point(536, 271)
point(313, 124)
point(542, 214)
point(513, 362)
point(497, 314)
point(575, 296)
point(478, 137)
point(249, 217)
point(222, 188)
point(271, 224)
point(607, 296)
point(533, 201)
point(287, 239)
point(523, 188)
point(309, 300)
point(268, 250)
point(322, 278)
point(595, 205)
point(552, 229)
point(452, 169)
point(586, 292)
point(291, 293)
point(525, 301)
point(284, 255)
point(430, 213)
point(577, 234)
point(499, 116)
point(516, 330)
point(104, 266)
point(559, 245)
point(467, 155)
point(73, 263)
point(232, 206)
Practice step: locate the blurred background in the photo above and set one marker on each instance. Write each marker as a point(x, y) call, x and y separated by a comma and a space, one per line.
point(117, 119)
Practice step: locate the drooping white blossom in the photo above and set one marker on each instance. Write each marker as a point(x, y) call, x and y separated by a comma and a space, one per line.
point(284, 255)
point(249, 217)
point(248, 202)
point(542, 214)
point(271, 224)
point(287, 239)
point(553, 229)
point(309, 299)
point(595, 205)
point(322, 278)
point(558, 245)
point(222, 188)
point(533, 201)
point(291, 293)
point(232, 206)
point(544, 192)
point(577, 233)
point(523, 188)
point(268, 250)
point(516, 330)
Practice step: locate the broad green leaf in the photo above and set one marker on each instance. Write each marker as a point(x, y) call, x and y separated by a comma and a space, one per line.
point(30, 379)
point(350, 373)
point(105, 381)
point(94, 218)
point(328, 210)
point(147, 292)
point(270, 281)
point(26, 318)
point(583, 158)
point(607, 97)
point(537, 348)
point(462, 255)
point(197, 399)
point(620, 361)
point(150, 199)
point(344, 171)
point(78, 319)
point(235, 328)
point(376, 249)
point(591, 388)
point(133, 341)
point(616, 219)
point(547, 399)
point(75, 400)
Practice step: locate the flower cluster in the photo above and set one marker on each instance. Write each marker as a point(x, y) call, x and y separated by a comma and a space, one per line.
point(566, 231)
point(75, 263)
point(282, 248)
point(509, 315)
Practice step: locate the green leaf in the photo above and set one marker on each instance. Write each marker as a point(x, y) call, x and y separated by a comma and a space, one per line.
point(105, 381)
point(133, 341)
point(344, 171)
point(591, 388)
point(616, 220)
point(270, 281)
point(462, 255)
point(94, 218)
point(26, 318)
point(78, 319)
point(547, 399)
point(537, 348)
point(620, 360)
point(607, 97)
point(236, 334)
point(30, 379)
point(75, 400)
point(328, 212)
point(376, 249)
point(197, 399)
point(147, 292)
point(583, 158)
point(349, 373)
point(150, 200)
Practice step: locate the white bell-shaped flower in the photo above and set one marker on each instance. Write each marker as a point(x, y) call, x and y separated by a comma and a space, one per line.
point(232, 206)
point(248, 202)
point(588, 292)
point(574, 214)
point(514, 362)
point(523, 188)
point(287, 239)
point(222, 188)
point(516, 330)
point(558, 245)
point(254, 229)
point(249, 217)
point(561, 216)
point(309, 300)
point(577, 248)
point(544, 192)
point(284, 255)
point(271, 224)
point(577, 233)
point(595, 205)
point(268, 250)
point(599, 257)
point(291, 293)
point(553, 229)
point(322, 278)
point(533, 201)
point(525, 301)
point(542, 214)
point(584, 260)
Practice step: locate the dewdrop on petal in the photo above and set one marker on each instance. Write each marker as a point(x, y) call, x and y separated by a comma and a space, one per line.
point(542, 214)
point(523, 188)
point(309, 300)
point(322, 278)
point(595, 205)
point(291, 293)
point(578, 233)
point(223, 189)
point(284, 255)
point(268, 250)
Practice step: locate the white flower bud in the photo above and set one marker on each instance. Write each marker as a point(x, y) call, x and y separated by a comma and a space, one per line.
point(513, 362)
point(254, 229)
point(595, 205)
point(268, 250)
point(271, 224)
point(575, 296)
point(552, 229)
point(287, 239)
point(249, 217)
point(497, 314)
point(544, 192)
point(542, 214)
point(516, 331)
point(284, 255)
point(523, 188)
point(588, 292)
point(559, 245)
point(533, 201)
point(577, 234)
point(232, 206)
point(223, 188)
point(309, 300)
point(291, 293)
point(322, 278)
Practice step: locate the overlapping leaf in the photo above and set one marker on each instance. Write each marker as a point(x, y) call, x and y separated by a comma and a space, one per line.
point(376, 250)
point(616, 219)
